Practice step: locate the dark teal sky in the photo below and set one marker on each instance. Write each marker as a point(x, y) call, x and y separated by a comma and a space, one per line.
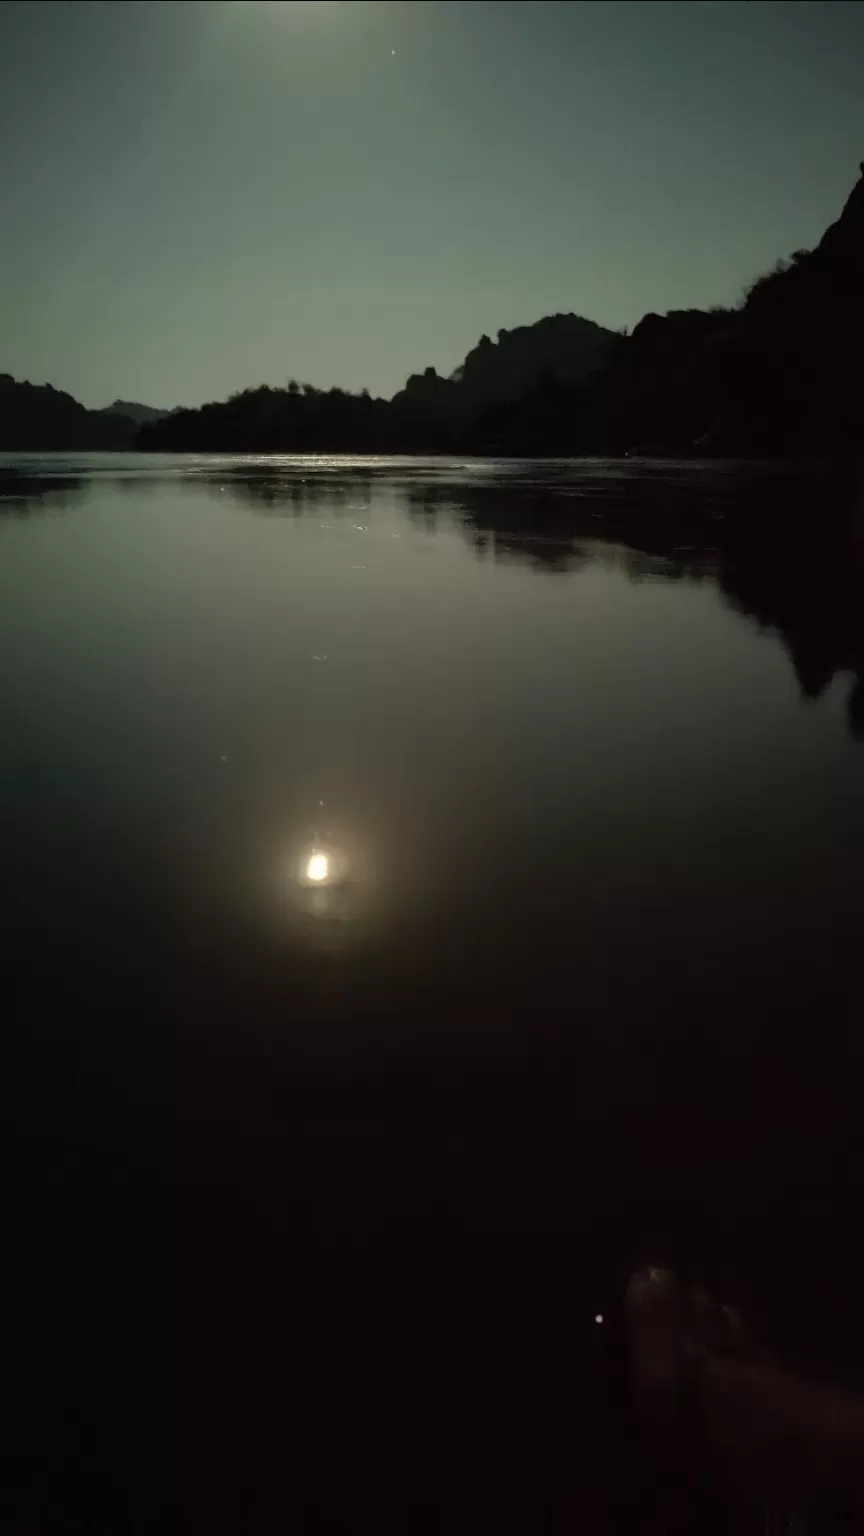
point(199, 196)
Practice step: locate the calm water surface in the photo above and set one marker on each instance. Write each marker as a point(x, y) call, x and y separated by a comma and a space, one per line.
point(585, 762)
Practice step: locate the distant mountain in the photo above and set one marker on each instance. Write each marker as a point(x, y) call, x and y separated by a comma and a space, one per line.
point(566, 349)
point(134, 411)
point(293, 420)
point(430, 414)
point(777, 374)
point(40, 417)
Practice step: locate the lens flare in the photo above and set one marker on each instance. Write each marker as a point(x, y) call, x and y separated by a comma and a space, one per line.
point(318, 867)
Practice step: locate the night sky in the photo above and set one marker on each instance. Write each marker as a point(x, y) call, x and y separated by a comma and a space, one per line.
point(196, 197)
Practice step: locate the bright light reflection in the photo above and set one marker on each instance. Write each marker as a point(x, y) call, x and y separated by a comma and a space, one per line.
point(318, 867)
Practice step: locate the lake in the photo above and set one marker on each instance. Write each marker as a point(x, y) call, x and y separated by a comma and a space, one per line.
point(582, 748)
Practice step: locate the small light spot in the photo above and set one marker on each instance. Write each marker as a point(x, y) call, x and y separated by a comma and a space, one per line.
point(598, 1318)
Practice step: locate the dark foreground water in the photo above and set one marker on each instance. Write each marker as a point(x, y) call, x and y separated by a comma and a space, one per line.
point(297, 1169)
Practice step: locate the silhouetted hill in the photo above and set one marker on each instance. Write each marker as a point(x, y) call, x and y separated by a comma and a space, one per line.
point(296, 419)
point(803, 334)
point(39, 417)
point(565, 349)
point(136, 412)
point(430, 414)
point(778, 374)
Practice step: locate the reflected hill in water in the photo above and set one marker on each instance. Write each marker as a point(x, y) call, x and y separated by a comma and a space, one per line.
point(787, 554)
point(22, 494)
point(814, 600)
point(438, 1145)
point(786, 551)
point(273, 493)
